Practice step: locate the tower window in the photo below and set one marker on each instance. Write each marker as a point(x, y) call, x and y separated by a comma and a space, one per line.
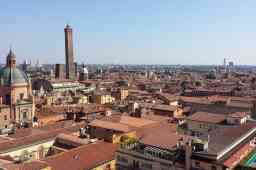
point(24, 115)
point(5, 117)
point(8, 99)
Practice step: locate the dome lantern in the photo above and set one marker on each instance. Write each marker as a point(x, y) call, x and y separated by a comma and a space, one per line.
point(11, 59)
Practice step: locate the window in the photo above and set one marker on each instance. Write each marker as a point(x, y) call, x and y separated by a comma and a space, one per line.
point(122, 159)
point(8, 99)
point(5, 117)
point(21, 96)
point(146, 165)
point(24, 115)
point(135, 164)
point(108, 167)
point(197, 164)
point(214, 167)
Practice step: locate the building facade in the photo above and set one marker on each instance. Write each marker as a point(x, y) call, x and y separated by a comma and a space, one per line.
point(16, 99)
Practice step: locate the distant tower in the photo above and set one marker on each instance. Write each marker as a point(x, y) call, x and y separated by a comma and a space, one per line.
point(76, 69)
point(11, 60)
point(38, 65)
point(231, 64)
point(224, 62)
point(59, 71)
point(70, 66)
point(83, 74)
point(25, 66)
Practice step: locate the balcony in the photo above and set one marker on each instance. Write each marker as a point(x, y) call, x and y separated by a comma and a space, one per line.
point(141, 150)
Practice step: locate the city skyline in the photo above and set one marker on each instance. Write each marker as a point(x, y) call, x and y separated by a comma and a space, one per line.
point(144, 32)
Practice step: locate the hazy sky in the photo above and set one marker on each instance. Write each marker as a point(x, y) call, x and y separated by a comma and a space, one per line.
point(131, 31)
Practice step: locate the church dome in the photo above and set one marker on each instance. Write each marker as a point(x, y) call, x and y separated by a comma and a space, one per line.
point(12, 76)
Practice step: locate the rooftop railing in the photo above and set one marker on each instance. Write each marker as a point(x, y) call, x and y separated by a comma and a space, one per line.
point(149, 152)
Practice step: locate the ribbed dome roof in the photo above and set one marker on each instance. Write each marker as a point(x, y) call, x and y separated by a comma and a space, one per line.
point(12, 76)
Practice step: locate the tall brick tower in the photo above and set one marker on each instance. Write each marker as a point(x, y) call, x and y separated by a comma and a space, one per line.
point(70, 66)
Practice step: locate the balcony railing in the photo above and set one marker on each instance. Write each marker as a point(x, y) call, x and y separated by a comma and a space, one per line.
point(147, 152)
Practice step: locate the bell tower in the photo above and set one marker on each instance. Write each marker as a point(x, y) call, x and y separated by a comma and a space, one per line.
point(70, 66)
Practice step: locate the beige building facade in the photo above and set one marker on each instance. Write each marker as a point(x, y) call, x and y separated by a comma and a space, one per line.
point(16, 99)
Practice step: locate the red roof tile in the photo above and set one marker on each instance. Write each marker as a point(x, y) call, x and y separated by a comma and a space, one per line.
point(207, 117)
point(84, 157)
point(235, 158)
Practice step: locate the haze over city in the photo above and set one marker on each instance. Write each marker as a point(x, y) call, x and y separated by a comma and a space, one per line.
point(127, 85)
point(131, 32)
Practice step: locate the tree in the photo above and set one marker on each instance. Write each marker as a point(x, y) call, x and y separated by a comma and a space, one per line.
point(198, 83)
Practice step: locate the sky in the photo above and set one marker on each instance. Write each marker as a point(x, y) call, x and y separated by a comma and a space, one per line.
point(130, 31)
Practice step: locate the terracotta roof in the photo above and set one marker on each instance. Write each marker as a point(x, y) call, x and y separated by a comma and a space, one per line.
point(114, 117)
point(158, 106)
point(7, 158)
point(20, 133)
point(27, 140)
point(111, 125)
point(199, 100)
point(238, 102)
point(68, 138)
point(241, 104)
point(153, 117)
point(235, 158)
point(85, 157)
point(207, 117)
point(231, 98)
point(33, 165)
point(162, 135)
point(169, 97)
point(239, 115)
point(245, 99)
point(224, 137)
point(135, 122)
